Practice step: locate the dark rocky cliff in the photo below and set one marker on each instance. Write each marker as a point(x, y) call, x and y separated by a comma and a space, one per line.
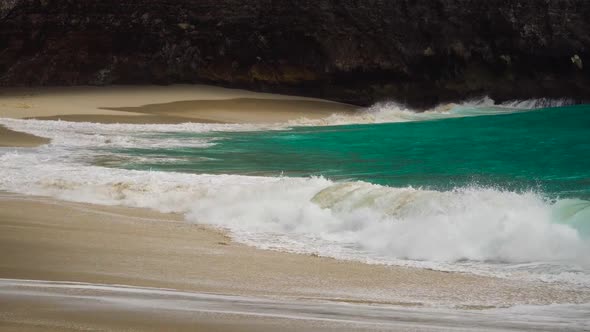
point(418, 51)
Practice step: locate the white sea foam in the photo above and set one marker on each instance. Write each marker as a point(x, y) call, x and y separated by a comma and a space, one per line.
point(387, 112)
point(480, 230)
point(185, 305)
point(521, 104)
point(538, 103)
point(353, 220)
point(96, 135)
point(117, 135)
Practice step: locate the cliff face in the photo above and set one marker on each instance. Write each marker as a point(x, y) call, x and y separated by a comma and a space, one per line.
point(415, 51)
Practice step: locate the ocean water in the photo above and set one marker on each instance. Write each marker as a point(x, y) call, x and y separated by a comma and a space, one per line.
point(547, 151)
point(498, 190)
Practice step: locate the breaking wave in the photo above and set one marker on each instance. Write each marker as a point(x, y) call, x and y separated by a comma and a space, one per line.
point(465, 229)
point(479, 224)
point(475, 229)
point(387, 112)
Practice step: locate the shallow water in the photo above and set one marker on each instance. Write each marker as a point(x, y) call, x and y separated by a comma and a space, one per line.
point(178, 308)
point(546, 151)
point(499, 191)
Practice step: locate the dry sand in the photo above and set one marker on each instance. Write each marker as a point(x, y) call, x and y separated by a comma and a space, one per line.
point(153, 104)
point(161, 104)
point(47, 239)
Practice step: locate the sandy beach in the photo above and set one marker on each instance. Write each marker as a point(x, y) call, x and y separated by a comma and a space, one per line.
point(11, 138)
point(161, 104)
point(263, 166)
point(153, 105)
point(48, 240)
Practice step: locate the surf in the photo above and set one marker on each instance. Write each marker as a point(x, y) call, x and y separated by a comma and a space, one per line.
point(338, 199)
point(392, 111)
point(478, 230)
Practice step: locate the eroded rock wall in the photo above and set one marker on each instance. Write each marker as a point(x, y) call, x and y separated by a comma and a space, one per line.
point(415, 51)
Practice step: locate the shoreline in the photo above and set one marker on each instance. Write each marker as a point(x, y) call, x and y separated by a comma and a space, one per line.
point(161, 104)
point(173, 104)
point(47, 239)
point(117, 307)
point(15, 139)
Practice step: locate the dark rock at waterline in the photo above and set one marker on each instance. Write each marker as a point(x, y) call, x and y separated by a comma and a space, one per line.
point(416, 51)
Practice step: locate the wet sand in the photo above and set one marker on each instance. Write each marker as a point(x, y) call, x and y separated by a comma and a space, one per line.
point(50, 240)
point(153, 105)
point(161, 104)
point(47, 239)
point(67, 306)
point(10, 138)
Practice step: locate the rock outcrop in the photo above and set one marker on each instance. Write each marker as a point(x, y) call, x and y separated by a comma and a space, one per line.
point(416, 51)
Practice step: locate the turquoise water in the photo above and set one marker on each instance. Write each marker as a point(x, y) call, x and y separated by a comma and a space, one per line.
point(511, 196)
point(545, 151)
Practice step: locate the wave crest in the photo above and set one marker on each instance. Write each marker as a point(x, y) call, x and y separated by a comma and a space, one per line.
point(353, 220)
point(390, 111)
